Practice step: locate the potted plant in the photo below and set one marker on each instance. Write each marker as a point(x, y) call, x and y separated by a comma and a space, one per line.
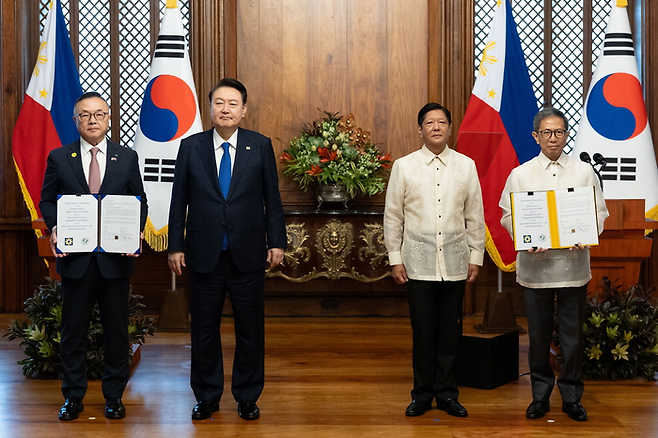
point(40, 333)
point(620, 334)
point(333, 151)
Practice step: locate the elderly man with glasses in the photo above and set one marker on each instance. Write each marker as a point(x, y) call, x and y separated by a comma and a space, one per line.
point(556, 275)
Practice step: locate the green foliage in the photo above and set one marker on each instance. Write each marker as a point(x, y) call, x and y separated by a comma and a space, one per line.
point(40, 333)
point(620, 334)
point(334, 150)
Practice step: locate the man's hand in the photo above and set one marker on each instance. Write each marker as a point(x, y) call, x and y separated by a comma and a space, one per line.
point(274, 257)
point(399, 273)
point(53, 243)
point(176, 261)
point(473, 271)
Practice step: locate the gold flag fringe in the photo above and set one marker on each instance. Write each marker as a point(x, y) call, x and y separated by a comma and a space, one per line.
point(495, 255)
point(29, 203)
point(158, 240)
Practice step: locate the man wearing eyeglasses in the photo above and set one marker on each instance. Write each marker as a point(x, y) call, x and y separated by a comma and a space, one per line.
point(93, 165)
point(554, 276)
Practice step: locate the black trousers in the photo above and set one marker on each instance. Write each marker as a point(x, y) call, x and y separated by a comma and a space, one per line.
point(79, 297)
point(571, 306)
point(208, 293)
point(435, 308)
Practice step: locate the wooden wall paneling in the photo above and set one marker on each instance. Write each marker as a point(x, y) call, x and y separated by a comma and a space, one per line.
point(587, 42)
point(364, 57)
point(115, 75)
point(646, 12)
point(436, 74)
point(407, 85)
point(229, 34)
point(207, 38)
point(369, 57)
point(451, 71)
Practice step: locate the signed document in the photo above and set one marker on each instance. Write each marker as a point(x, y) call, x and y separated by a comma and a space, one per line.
point(98, 223)
point(119, 224)
point(554, 218)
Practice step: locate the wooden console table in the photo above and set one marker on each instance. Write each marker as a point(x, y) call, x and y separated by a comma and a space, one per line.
point(334, 244)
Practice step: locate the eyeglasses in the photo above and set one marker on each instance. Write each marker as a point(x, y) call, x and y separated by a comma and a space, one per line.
point(547, 133)
point(85, 117)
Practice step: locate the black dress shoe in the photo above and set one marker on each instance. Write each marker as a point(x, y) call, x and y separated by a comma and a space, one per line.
point(114, 409)
point(575, 410)
point(417, 408)
point(452, 407)
point(71, 409)
point(204, 409)
point(248, 410)
point(537, 409)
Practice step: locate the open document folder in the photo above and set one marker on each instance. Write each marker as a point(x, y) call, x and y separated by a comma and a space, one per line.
point(98, 223)
point(554, 218)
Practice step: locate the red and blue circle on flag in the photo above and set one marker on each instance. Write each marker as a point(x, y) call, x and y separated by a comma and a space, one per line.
point(169, 109)
point(615, 107)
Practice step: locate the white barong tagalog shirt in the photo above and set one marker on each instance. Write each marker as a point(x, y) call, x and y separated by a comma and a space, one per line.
point(434, 219)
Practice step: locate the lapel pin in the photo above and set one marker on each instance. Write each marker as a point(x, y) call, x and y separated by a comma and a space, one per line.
point(74, 154)
point(248, 148)
point(114, 158)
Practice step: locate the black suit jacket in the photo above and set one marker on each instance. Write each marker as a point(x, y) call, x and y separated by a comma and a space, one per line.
point(65, 176)
point(252, 213)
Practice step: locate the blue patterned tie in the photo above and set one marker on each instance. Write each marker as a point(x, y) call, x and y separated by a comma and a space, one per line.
point(225, 179)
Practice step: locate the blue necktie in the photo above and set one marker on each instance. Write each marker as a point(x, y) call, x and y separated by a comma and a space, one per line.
point(225, 170)
point(225, 180)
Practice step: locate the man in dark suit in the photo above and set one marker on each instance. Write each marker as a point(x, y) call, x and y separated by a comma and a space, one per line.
point(92, 164)
point(226, 224)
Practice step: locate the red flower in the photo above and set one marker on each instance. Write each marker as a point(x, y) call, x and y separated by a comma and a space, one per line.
point(385, 160)
point(285, 157)
point(327, 155)
point(315, 170)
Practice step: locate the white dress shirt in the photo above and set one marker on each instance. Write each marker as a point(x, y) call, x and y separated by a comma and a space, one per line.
point(218, 141)
point(434, 219)
point(555, 267)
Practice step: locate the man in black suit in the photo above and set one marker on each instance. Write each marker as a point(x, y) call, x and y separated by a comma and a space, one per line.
point(226, 224)
point(89, 277)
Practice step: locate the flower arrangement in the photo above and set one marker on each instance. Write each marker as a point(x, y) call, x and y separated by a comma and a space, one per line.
point(333, 150)
point(620, 334)
point(40, 333)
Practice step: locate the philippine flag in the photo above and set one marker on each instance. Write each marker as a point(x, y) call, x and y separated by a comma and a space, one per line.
point(497, 128)
point(614, 121)
point(169, 113)
point(45, 121)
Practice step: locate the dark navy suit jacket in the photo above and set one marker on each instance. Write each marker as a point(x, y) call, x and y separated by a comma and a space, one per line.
point(65, 176)
point(252, 212)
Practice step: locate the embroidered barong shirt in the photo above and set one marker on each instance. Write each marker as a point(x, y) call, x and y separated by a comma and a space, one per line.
point(434, 218)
